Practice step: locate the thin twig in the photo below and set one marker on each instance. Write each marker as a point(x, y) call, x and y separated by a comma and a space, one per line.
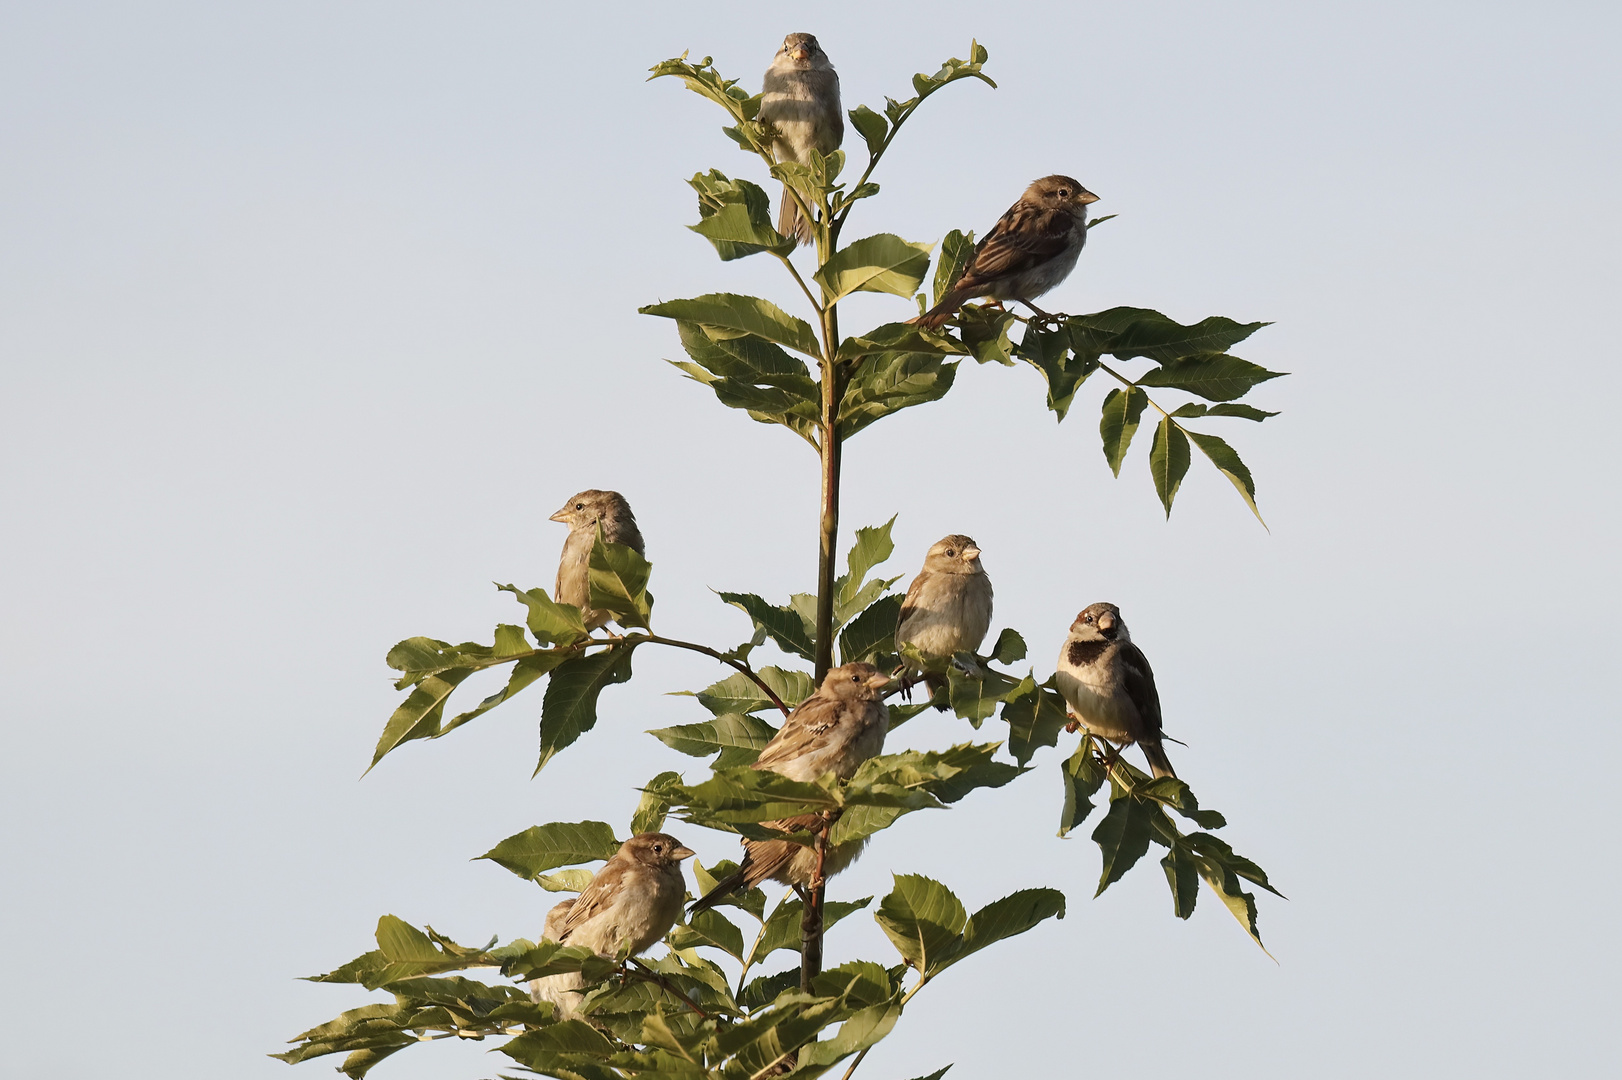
point(740, 666)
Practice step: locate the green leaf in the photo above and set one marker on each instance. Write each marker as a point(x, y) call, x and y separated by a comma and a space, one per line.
point(1012, 915)
point(985, 332)
point(871, 126)
point(862, 982)
point(783, 624)
point(1127, 332)
point(898, 337)
point(883, 263)
point(733, 315)
point(886, 383)
point(736, 217)
point(937, 1074)
point(1035, 715)
point(871, 635)
point(872, 547)
point(1049, 351)
point(751, 900)
point(1168, 461)
point(1122, 411)
point(1183, 877)
point(418, 717)
point(524, 673)
point(704, 80)
point(1215, 376)
point(542, 847)
point(751, 373)
point(716, 929)
point(565, 881)
point(1010, 647)
point(1227, 462)
point(956, 251)
point(975, 695)
point(763, 991)
point(1245, 412)
point(782, 928)
point(1123, 836)
point(859, 1032)
point(729, 730)
point(651, 808)
point(569, 709)
point(923, 919)
point(549, 621)
point(619, 582)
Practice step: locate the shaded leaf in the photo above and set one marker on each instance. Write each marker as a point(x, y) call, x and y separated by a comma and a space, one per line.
point(956, 251)
point(736, 216)
point(882, 263)
point(570, 706)
point(886, 383)
point(783, 624)
point(542, 847)
point(1215, 377)
point(1183, 877)
point(1227, 462)
point(1119, 422)
point(1012, 915)
point(1010, 647)
point(1035, 715)
point(872, 127)
point(871, 635)
point(619, 582)
point(725, 731)
point(1083, 776)
point(923, 919)
point(741, 315)
point(1168, 461)
point(1123, 836)
point(651, 808)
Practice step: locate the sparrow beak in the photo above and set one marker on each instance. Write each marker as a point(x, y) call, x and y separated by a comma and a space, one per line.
point(683, 852)
point(800, 55)
point(971, 553)
point(1106, 623)
point(1084, 197)
point(561, 515)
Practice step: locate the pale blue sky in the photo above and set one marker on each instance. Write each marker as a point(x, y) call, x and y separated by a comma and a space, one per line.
point(310, 314)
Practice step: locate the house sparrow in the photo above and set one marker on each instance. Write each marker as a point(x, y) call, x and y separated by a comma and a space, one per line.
point(632, 902)
point(834, 730)
point(1109, 685)
point(800, 99)
point(1031, 249)
point(582, 514)
point(948, 605)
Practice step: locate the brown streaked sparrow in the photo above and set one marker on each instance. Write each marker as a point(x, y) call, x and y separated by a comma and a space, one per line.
point(583, 514)
point(834, 730)
point(1109, 685)
point(948, 605)
point(1032, 248)
point(631, 903)
point(800, 99)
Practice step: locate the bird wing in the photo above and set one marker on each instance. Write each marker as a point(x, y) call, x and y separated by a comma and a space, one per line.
point(915, 592)
point(1025, 237)
point(804, 732)
point(765, 859)
point(599, 896)
point(1139, 680)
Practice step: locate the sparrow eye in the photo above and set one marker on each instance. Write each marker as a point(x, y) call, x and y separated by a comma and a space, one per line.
point(657, 848)
point(1089, 618)
point(950, 553)
point(579, 506)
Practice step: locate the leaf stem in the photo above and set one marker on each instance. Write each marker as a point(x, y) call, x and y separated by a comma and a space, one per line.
point(922, 979)
point(642, 971)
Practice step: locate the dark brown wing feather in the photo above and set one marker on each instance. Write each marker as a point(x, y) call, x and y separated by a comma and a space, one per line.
point(1139, 680)
point(801, 732)
point(1025, 237)
point(762, 859)
point(601, 893)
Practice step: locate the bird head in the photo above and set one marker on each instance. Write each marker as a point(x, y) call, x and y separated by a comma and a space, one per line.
point(860, 681)
point(656, 849)
point(803, 51)
point(1099, 622)
point(955, 554)
point(589, 507)
point(1058, 192)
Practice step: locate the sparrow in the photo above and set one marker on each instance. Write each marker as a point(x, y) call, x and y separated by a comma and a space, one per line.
point(1109, 685)
point(582, 514)
point(834, 730)
point(1032, 248)
point(632, 902)
point(948, 605)
point(800, 99)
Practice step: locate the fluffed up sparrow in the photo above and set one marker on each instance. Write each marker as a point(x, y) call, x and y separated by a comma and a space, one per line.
point(834, 730)
point(582, 514)
point(1032, 248)
point(1109, 685)
point(632, 902)
point(948, 605)
point(800, 99)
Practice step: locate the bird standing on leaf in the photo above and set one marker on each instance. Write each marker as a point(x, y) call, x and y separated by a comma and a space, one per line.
point(948, 605)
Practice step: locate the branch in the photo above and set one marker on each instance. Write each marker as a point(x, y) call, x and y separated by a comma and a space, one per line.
point(738, 665)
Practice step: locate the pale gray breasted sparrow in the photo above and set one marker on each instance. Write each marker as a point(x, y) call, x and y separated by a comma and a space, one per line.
point(1109, 685)
point(631, 903)
point(834, 730)
point(948, 605)
point(800, 99)
point(583, 514)
point(1032, 248)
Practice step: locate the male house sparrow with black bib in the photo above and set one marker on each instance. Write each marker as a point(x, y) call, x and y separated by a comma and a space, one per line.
point(834, 730)
point(633, 901)
point(583, 514)
point(800, 99)
point(948, 605)
point(1109, 684)
point(1032, 248)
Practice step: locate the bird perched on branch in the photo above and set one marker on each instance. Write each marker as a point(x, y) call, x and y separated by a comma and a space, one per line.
point(1109, 685)
point(631, 903)
point(1032, 248)
point(834, 730)
point(948, 605)
point(583, 514)
point(800, 99)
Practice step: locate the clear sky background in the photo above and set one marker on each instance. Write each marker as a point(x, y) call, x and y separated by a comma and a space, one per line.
point(310, 314)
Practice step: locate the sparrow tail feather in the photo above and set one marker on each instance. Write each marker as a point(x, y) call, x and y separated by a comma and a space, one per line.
point(937, 316)
point(1159, 763)
point(936, 683)
point(791, 223)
